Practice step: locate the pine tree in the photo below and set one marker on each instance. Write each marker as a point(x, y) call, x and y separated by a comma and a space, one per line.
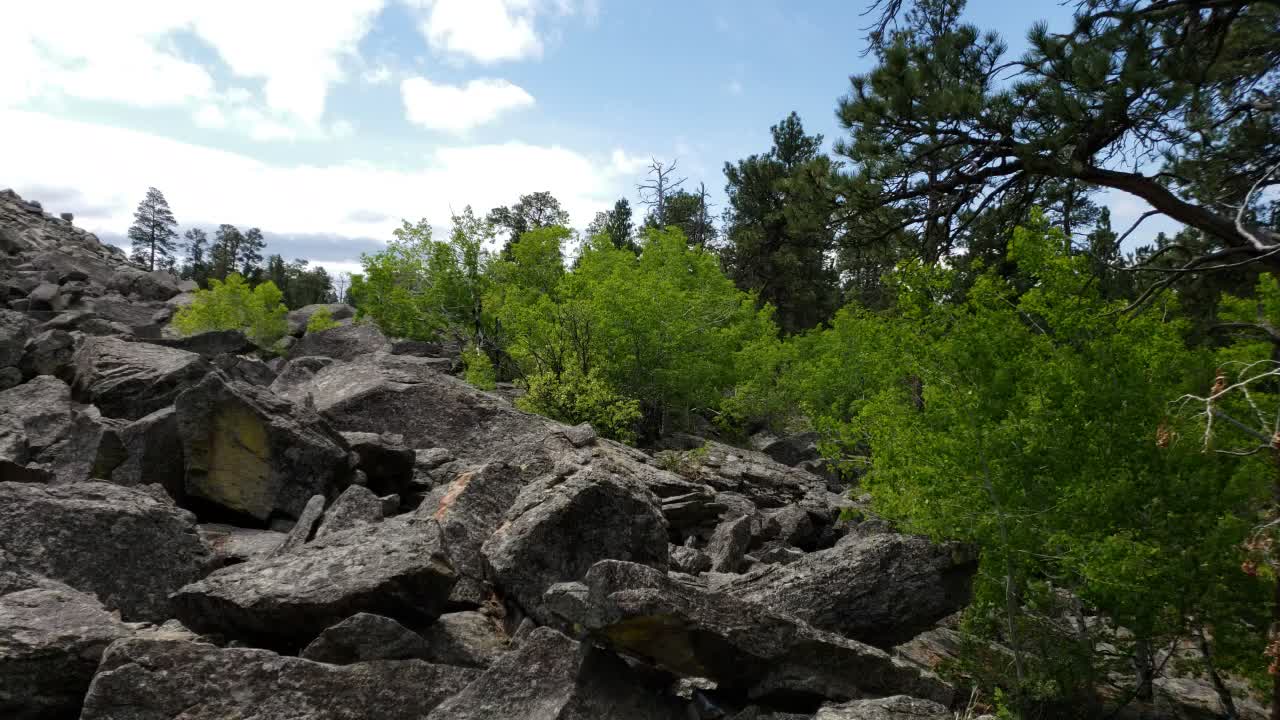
point(152, 232)
point(226, 253)
point(195, 245)
point(250, 257)
point(615, 224)
point(533, 211)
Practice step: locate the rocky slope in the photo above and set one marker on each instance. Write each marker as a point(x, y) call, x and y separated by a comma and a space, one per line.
point(189, 532)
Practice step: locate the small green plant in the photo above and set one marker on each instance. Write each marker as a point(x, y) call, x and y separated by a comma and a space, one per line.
point(479, 369)
point(320, 321)
point(685, 463)
point(574, 398)
point(233, 305)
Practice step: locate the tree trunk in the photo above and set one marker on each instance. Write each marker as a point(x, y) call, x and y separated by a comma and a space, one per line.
point(1224, 695)
point(1143, 670)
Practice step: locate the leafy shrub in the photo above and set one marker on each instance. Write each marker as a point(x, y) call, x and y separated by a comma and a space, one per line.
point(479, 369)
point(321, 320)
point(574, 398)
point(233, 305)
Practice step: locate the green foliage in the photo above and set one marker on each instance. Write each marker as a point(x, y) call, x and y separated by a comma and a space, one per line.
point(233, 305)
point(321, 320)
point(152, 233)
point(479, 369)
point(574, 398)
point(1026, 423)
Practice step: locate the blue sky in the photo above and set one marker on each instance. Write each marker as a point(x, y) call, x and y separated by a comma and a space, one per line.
point(325, 123)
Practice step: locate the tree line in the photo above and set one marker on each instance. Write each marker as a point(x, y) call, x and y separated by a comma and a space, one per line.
point(943, 299)
point(156, 246)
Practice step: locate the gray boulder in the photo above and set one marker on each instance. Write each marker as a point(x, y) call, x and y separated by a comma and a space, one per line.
point(468, 510)
point(50, 643)
point(384, 459)
point(231, 545)
point(15, 330)
point(551, 677)
point(146, 679)
point(133, 379)
point(299, 318)
point(363, 637)
point(729, 543)
point(251, 452)
point(43, 297)
point(746, 648)
point(293, 378)
point(209, 344)
point(470, 639)
point(345, 342)
point(356, 506)
point(43, 434)
point(559, 527)
point(145, 451)
point(305, 528)
point(397, 568)
point(49, 353)
point(895, 707)
point(120, 544)
point(881, 589)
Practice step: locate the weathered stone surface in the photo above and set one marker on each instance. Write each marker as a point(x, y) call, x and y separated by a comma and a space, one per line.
point(729, 544)
point(245, 368)
point(10, 377)
point(346, 342)
point(688, 560)
point(363, 637)
point(43, 297)
point(143, 679)
point(551, 677)
point(209, 344)
point(15, 330)
point(299, 318)
point(145, 451)
point(468, 510)
point(50, 643)
point(305, 528)
point(385, 460)
point(231, 545)
point(49, 353)
point(397, 568)
point(744, 647)
point(251, 452)
point(894, 707)
point(44, 434)
point(470, 639)
point(293, 379)
point(559, 527)
point(881, 589)
point(133, 379)
point(356, 506)
point(120, 544)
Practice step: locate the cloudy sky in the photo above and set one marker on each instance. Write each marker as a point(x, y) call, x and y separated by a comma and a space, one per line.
point(325, 122)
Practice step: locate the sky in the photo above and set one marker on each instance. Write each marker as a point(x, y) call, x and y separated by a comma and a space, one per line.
point(326, 123)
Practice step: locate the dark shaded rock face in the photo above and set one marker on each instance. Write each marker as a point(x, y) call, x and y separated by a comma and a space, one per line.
point(250, 452)
point(44, 436)
point(209, 344)
point(552, 677)
point(896, 707)
point(363, 637)
point(142, 679)
point(143, 452)
point(746, 648)
point(50, 643)
point(346, 342)
point(132, 379)
point(396, 568)
point(559, 528)
point(119, 544)
point(881, 589)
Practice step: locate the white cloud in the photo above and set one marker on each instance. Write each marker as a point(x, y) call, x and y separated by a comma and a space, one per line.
point(129, 53)
point(379, 75)
point(206, 185)
point(621, 163)
point(459, 108)
point(486, 31)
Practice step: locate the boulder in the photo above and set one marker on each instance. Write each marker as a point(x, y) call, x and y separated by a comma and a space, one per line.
point(154, 285)
point(49, 353)
point(44, 434)
point(894, 707)
point(559, 527)
point(50, 643)
point(293, 378)
point(469, 639)
point(364, 637)
point(747, 649)
point(120, 544)
point(356, 506)
point(881, 589)
point(397, 568)
point(210, 344)
point(299, 318)
point(10, 377)
point(551, 677)
point(793, 449)
point(133, 379)
point(468, 510)
point(15, 330)
point(345, 342)
point(384, 459)
point(688, 560)
point(305, 528)
point(182, 680)
point(245, 368)
point(145, 451)
point(729, 543)
point(43, 297)
point(252, 453)
point(231, 545)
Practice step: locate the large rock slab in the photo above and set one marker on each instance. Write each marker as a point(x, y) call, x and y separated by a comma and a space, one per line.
point(133, 379)
point(881, 589)
point(299, 318)
point(120, 544)
point(144, 452)
point(397, 568)
point(470, 639)
point(50, 643)
point(345, 342)
point(746, 648)
point(209, 344)
point(44, 435)
point(560, 527)
point(253, 453)
point(144, 679)
point(469, 509)
point(895, 707)
point(363, 637)
point(552, 677)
